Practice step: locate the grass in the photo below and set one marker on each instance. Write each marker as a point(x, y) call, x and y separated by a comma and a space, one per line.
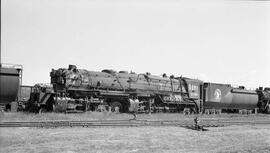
point(135, 139)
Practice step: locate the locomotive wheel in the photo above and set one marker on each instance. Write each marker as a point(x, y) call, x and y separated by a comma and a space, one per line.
point(116, 104)
point(267, 109)
point(42, 110)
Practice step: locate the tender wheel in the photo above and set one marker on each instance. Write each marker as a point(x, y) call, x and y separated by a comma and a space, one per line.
point(115, 105)
point(53, 108)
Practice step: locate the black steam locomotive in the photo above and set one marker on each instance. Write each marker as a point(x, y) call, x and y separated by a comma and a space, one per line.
point(90, 90)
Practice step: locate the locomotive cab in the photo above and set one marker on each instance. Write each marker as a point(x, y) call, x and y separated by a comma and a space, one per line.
point(195, 92)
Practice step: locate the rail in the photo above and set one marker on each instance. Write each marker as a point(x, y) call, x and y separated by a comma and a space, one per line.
point(130, 123)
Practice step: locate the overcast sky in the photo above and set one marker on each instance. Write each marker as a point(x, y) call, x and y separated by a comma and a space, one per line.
point(217, 41)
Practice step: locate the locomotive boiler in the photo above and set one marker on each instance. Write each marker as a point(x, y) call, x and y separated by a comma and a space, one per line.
point(115, 88)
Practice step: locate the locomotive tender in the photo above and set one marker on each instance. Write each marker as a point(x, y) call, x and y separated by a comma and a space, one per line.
point(92, 89)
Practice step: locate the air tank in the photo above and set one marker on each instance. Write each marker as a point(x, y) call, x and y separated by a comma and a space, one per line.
point(10, 80)
point(223, 96)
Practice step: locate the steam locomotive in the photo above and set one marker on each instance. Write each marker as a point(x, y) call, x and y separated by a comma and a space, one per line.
point(76, 89)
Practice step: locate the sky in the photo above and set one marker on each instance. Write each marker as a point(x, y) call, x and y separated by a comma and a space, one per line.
point(215, 41)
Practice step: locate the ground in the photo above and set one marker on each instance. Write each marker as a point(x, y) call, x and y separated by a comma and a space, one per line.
point(135, 139)
point(20, 116)
point(247, 138)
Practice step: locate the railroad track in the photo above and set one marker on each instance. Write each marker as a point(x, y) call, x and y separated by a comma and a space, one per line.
point(130, 123)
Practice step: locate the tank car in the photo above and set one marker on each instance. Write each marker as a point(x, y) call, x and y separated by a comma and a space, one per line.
point(10, 81)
